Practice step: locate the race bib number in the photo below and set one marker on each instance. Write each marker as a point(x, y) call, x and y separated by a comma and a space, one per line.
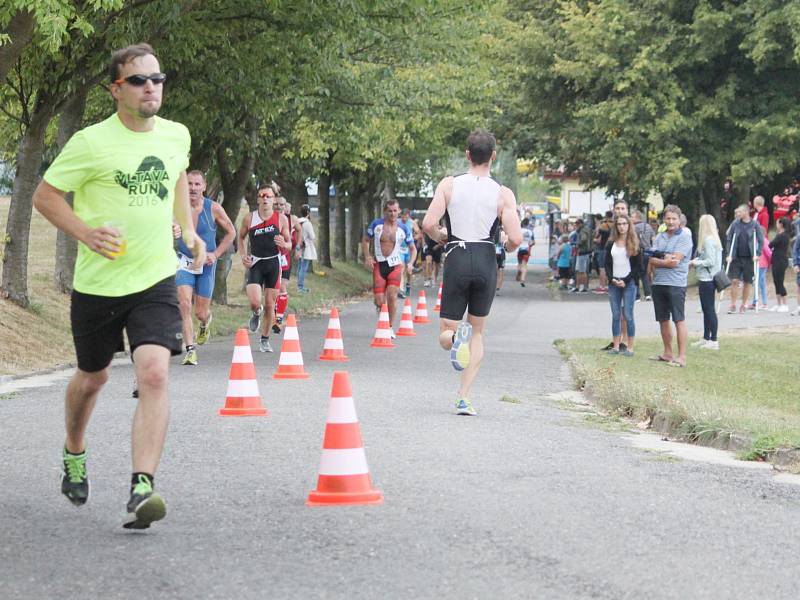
point(282, 260)
point(185, 264)
point(394, 260)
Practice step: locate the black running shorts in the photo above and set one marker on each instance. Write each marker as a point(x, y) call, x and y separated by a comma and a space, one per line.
point(669, 301)
point(742, 268)
point(266, 273)
point(148, 317)
point(469, 280)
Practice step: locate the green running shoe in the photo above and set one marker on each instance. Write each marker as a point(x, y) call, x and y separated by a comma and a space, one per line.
point(190, 358)
point(145, 506)
point(459, 353)
point(464, 407)
point(205, 331)
point(74, 481)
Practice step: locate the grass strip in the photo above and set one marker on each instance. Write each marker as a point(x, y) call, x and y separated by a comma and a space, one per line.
point(742, 398)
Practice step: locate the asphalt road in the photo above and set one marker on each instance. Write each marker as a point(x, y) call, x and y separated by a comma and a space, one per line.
point(524, 501)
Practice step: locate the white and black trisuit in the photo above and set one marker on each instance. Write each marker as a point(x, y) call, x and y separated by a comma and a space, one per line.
point(470, 272)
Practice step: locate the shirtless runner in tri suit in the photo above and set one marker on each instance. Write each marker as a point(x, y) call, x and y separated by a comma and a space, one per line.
point(381, 246)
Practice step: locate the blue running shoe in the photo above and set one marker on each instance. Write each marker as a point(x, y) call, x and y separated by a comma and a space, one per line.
point(464, 407)
point(459, 353)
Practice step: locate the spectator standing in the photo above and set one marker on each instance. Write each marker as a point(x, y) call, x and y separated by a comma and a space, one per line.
point(645, 234)
point(573, 242)
point(622, 264)
point(555, 248)
point(744, 237)
point(602, 233)
point(779, 246)
point(584, 242)
point(764, 262)
point(796, 262)
point(564, 261)
point(307, 250)
point(761, 214)
point(708, 263)
point(670, 274)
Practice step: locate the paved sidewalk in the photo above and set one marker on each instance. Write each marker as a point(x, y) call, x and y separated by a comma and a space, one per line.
point(523, 501)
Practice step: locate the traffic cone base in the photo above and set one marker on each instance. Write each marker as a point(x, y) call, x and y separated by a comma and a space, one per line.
point(340, 493)
point(333, 347)
point(290, 363)
point(242, 398)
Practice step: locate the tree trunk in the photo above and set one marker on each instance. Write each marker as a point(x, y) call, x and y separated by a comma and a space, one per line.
point(356, 227)
point(234, 186)
point(340, 251)
point(324, 233)
point(18, 227)
point(66, 246)
point(20, 32)
point(234, 183)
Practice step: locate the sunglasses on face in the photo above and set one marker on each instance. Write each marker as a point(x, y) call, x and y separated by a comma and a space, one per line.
point(140, 80)
point(265, 195)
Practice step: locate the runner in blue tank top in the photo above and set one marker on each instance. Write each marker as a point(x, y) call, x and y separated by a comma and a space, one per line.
point(473, 206)
point(199, 284)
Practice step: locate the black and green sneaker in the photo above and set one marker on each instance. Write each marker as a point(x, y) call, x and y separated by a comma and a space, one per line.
point(74, 481)
point(145, 506)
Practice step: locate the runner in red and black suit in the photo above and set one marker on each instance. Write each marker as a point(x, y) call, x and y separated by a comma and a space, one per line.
point(284, 208)
point(268, 233)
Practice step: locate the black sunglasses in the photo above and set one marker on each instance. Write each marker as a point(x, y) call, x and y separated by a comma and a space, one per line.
point(140, 80)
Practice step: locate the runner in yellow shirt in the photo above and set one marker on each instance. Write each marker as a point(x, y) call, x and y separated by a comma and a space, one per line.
point(128, 174)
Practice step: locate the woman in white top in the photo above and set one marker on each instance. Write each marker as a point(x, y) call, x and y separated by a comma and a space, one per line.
point(622, 266)
point(306, 250)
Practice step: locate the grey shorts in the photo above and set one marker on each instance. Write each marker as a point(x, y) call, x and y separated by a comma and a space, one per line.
point(582, 263)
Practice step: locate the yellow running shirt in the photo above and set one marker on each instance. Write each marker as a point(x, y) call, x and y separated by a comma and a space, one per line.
point(129, 178)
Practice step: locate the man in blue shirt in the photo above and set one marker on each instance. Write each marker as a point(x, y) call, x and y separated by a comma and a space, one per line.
point(670, 268)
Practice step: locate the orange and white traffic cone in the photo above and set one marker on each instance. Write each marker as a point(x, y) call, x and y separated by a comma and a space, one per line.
point(438, 306)
point(343, 471)
point(406, 322)
point(242, 398)
point(290, 364)
point(383, 332)
point(333, 349)
point(421, 316)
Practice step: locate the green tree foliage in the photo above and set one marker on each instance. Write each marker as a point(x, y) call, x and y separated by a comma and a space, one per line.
point(347, 90)
point(660, 94)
